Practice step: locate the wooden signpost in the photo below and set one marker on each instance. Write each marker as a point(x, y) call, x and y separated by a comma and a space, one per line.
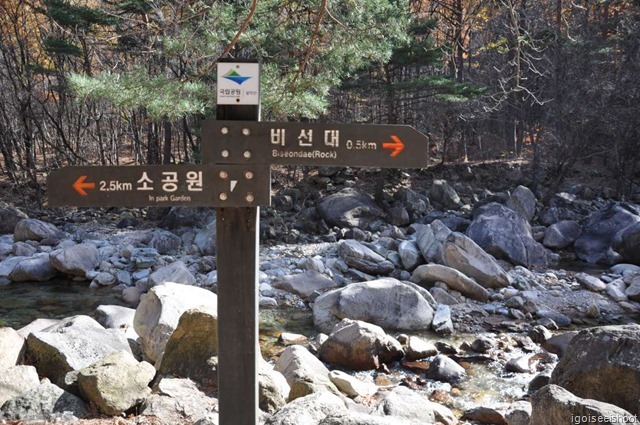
point(237, 152)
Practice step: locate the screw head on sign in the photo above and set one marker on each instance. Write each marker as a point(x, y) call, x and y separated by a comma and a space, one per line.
point(225, 153)
point(224, 130)
point(246, 132)
point(223, 174)
point(247, 154)
point(250, 197)
point(223, 196)
point(248, 175)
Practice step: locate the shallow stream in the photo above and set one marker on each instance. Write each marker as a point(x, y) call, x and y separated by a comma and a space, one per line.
point(490, 385)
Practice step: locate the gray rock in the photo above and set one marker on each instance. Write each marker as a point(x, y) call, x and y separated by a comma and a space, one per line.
point(442, 323)
point(601, 364)
point(17, 380)
point(352, 386)
point(159, 313)
point(104, 279)
point(590, 283)
point(386, 302)
point(600, 230)
point(36, 326)
point(33, 269)
point(518, 413)
point(627, 243)
point(401, 402)
point(273, 388)
point(177, 401)
point(365, 419)
point(350, 208)
point(442, 296)
point(309, 410)
point(417, 349)
point(463, 254)
point(617, 290)
point(76, 260)
point(442, 193)
point(444, 369)
point(633, 291)
point(304, 373)
point(428, 274)
point(115, 316)
point(553, 405)
point(364, 259)
point(9, 218)
point(415, 204)
point(358, 345)
point(189, 351)
point(561, 234)
point(165, 242)
point(522, 201)
point(144, 258)
point(430, 238)
point(410, 255)
point(72, 344)
point(23, 249)
point(505, 234)
point(46, 402)
point(116, 383)
point(305, 284)
point(12, 348)
point(6, 267)
point(205, 239)
point(175, 272)
point(31, 229)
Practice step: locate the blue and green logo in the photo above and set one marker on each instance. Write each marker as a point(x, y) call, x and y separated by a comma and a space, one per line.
point(235, 77)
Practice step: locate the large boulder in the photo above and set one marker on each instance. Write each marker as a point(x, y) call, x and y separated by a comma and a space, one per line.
point(11, 348)
point(358, 345)
point(442, 193)
point(31, 229)
point(410, 255)
point(192, 345)
point(430, 238)
point(429, 274)
point(304, 373)
point(159, 312)
point(46, 402)
point(72, 344)
point(305, 284)
point(116, 383)
point(463, 254)
point(309, 410)
point(76, 260)
point(522, 201)
point(9, 218)
point(33, 269)
point(17, 380)
point(350, 208)
point(602, 364)
point(553, 405)
point(364, 259)
point(561, 234)
point(176, 272)
point(627, 243)
point(506, 234)
point(599, 233)
point(165, 242)
point(177, 401)
point(386, 302)
point(401, 402)
point(273, 388)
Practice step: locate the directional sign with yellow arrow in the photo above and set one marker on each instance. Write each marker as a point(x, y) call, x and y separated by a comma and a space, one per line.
point(250, 142)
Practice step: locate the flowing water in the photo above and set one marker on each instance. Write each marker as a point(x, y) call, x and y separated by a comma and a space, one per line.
point(21, 303)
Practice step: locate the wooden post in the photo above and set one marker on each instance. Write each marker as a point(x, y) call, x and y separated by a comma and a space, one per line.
point(237, 261)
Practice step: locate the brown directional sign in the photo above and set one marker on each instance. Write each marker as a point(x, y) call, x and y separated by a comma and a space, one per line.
point(250, 142)
point(160, 185)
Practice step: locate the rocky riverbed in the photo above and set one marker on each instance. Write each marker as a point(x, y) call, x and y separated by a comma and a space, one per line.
point(416, 311)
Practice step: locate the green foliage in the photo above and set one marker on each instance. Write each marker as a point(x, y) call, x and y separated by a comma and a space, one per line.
point(60, 46)
point(305, 51)
point(72, 16)
point(160, 95)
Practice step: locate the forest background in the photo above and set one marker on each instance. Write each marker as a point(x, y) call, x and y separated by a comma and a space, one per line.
point(128, 81)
